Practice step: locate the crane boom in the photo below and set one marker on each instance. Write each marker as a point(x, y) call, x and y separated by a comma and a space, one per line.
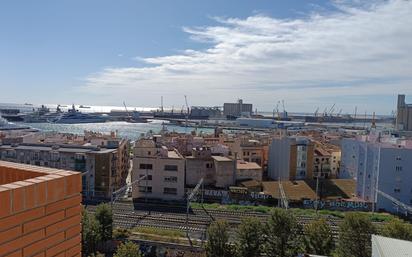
point(128, 114)
point(331, 109)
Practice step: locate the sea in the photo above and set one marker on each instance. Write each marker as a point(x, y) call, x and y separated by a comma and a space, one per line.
point(127, 130)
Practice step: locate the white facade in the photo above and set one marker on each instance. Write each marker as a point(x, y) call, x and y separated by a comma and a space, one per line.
point(256, 123)
point(279, 156)
point(383, 164)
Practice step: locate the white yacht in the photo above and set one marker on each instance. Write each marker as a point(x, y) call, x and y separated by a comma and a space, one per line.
point(74, 116)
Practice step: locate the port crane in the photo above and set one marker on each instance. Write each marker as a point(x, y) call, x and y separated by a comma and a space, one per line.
point(187, 109)
point(316, 112)
point(332, 109)
point(277, 111)
point(284, 109)
point(129, 117)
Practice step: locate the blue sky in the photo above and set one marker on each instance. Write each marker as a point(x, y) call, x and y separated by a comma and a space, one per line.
point(310, 53)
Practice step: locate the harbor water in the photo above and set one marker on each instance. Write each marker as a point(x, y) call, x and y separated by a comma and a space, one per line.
point(127, 130)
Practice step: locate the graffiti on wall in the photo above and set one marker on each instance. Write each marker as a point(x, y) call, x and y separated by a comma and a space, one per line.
point(338, 205)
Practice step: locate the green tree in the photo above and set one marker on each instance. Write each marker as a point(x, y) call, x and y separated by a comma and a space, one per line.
point(282, 234)
point(355, 234)
point(399, 229)
point(249, 238)
point(318, 238)
point(218, 240)
point(128, 249)
point(104, 216)
point(90, 233)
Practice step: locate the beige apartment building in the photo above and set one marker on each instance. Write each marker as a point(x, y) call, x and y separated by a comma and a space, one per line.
point(102, 159)
point(246, 148)
point(326, 161)
point(248, 171)
point(164, 170)
point(217, 171)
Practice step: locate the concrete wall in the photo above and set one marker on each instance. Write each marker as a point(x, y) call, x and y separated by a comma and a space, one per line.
point(200, 168)
point(40, 211)
point(279, 159)
point(159, 178)
point(395, 177)
point(224, 173)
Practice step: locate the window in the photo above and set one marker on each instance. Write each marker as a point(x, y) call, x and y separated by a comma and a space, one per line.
point(209, 165)
point(149, 153)
point(145, 166)
point(171, 179)
point(170, 191)
point(398, 168)
point(171, 167)
point(397, 190)
point(143, 189)
point(398, 158)
point(149, 177)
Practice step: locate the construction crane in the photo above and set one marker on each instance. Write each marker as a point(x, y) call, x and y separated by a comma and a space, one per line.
point(339, 113)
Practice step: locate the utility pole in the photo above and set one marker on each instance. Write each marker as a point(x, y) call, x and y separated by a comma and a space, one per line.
point(317, 188)
point(115, 194)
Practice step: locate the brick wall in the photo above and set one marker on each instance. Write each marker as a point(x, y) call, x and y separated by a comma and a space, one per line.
point(40, 211)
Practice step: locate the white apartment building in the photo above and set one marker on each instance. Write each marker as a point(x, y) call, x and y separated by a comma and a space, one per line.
point(379, 163)
point(290, 158)
point(165, 170)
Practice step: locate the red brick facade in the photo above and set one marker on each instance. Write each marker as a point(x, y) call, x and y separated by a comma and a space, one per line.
point(40, 211)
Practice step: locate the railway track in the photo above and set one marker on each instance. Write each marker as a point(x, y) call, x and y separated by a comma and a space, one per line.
point(128, 216)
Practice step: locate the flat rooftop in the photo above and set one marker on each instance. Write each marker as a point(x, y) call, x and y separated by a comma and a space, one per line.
point(243, 165)
point(173, 155)
point(221, 159)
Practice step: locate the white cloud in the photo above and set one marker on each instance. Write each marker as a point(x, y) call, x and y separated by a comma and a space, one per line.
point(360, 50)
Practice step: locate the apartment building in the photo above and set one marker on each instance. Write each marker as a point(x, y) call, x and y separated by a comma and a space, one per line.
point(40, 213)
point(103, 160)
point(379, 163)
point(250, 148)
point(200, 165)
point(291, 158)
point(326, 160)
point(217, 171)
point(248, 171)
point(164, 170)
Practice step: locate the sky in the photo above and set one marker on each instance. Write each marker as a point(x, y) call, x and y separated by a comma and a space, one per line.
point(311, 54)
